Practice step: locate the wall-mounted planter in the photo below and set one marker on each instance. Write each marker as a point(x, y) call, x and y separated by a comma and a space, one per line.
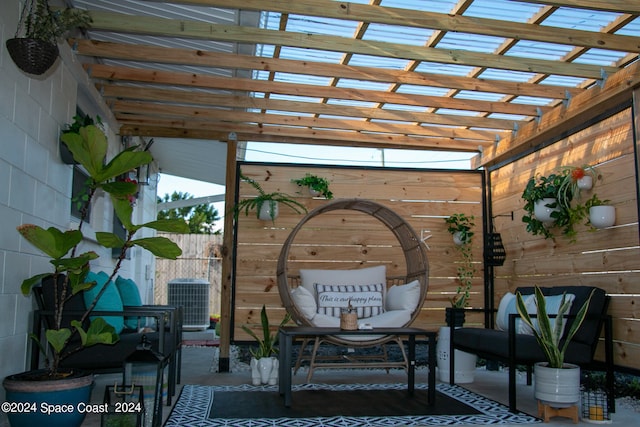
point(269, 210)
point(542, 211)
point(585, 183)
point(602, 216)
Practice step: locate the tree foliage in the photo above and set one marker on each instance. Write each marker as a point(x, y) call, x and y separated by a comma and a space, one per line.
point(200, 218)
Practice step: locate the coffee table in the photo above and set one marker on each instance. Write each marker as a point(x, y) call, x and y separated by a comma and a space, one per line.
point(289, 333)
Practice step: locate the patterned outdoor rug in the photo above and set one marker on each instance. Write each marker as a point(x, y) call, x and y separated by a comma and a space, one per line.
point(353, 405)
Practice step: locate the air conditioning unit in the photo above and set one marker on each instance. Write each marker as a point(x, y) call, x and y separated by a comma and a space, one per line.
point(193, 296)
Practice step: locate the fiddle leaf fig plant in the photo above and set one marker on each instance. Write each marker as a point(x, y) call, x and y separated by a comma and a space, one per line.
point(69, 266)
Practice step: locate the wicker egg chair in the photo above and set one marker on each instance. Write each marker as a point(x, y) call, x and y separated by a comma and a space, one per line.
point(414, 253)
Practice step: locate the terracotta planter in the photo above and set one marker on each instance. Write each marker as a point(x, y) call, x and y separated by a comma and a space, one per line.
point(51, 403)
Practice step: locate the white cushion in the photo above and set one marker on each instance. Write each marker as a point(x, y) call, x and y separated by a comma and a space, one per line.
point(366, 299)
point(324, 321)
point(403, 297)
point(360, 276)
point(304, 301)
point(552, 304)
point(507, 306)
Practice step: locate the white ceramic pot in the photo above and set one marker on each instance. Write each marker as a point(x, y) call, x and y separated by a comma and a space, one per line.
point(314, 193)
point(557, 387)
point(542, 211)
point(457, 238)
point(585, 183)
point(602, 216)
point(465, 363)
point(265, 211)
point(264, 370)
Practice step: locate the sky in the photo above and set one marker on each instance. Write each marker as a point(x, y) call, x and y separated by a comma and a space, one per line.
point(291, 153)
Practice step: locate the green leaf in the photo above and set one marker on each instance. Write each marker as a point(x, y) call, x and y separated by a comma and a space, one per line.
point(124, 210)
point(122, 163)
point(159, 246)
point(89, 148)
point(120, 188)
point(99, 332)
point(51, 241)
point(75, 264)
point(109, 240)
point(169, 225)
point(57, 338)
point(29, 283)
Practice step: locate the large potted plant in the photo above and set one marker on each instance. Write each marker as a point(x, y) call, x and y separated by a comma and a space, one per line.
point(68, 278)
point(317, 185)
point(266, 205)
point(264, 364)
point(34, 48)
point(557, 383)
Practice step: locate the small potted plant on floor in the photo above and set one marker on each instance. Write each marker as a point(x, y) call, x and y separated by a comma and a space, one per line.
point(266, 204)
point(34, 48)
point(318, 186)
point(264, 364)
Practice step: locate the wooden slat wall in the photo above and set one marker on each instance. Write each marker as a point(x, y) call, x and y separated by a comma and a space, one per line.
point(608, 258)
point(349, 239)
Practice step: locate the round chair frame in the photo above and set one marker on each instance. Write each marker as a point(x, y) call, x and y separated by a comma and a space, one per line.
point(417, 266)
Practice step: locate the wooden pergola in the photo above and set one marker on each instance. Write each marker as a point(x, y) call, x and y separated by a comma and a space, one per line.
point(495, 78)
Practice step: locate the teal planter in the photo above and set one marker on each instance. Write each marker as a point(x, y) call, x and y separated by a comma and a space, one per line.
point(50, 403)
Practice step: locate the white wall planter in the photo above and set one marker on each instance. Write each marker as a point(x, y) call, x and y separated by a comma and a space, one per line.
point(457, 238)
point(557, 387)
point(542, 211)
point(585, 183)
point(266, 208)
point(264, 370)
point(465, 363)
point(602, 216)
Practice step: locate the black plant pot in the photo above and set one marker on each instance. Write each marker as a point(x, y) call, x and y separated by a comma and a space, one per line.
point(33, 56)
point(454, 317)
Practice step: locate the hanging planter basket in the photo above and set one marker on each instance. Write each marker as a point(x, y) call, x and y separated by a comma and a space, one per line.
point(33, 56)
point(495, 254)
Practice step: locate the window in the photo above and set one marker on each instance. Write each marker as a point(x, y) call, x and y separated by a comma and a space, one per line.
point(79, 194)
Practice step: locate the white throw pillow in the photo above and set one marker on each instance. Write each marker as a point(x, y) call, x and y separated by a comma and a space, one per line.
point(360, 276)
point(366, 299)
point(403, 297)
point(507, 306)
point(552, 304)
point(304, 301)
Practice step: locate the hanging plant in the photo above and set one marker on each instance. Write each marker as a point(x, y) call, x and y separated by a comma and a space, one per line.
point(270, 199)
point(566, 212)
point(34, 47)
point(316, 184)
point(459, 226)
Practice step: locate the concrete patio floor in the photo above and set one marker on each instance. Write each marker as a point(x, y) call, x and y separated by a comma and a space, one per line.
point(198, 361)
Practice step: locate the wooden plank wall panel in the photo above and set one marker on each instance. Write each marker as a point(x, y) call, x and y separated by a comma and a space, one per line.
point(348, 239)
point(607, 258)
